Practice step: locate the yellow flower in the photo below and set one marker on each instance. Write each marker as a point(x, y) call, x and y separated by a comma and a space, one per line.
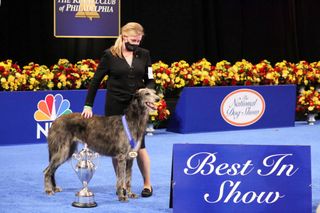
point(10, 79)
point(311, 108)
point(3, 80)
point(63, 78)
point(50, 85)
point(63, 61)
point(78, 84)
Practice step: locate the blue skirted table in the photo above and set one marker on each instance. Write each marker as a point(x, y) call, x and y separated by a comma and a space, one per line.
point(204, 109)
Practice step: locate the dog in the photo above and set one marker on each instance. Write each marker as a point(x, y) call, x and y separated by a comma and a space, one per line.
point(105, 135)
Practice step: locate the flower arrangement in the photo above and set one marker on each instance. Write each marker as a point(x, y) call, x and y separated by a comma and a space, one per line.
point(241, 73)
point(203, 73)
point(270, 75)
point(221, 70)
point(168, 79)
point(163, 76)
point(286, 72)
point(161, 114)
point(305, 73)
point(39, 77)
point(261, 71)
point(316, 68)
point(308, 101)
point(66, 76)
point(86, 69)
point(182, 74)
point(11, 77)
point(171, 79)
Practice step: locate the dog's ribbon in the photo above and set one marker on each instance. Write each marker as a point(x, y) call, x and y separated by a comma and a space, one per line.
point(126, 128)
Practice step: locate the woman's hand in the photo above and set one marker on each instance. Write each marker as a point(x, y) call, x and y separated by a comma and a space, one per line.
point(87, 112)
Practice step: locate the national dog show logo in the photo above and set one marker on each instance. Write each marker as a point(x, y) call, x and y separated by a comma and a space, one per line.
point(242, 107)
point(52, 107)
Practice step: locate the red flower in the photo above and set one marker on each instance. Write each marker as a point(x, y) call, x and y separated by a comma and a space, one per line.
point(248, 83)
point(205, 82)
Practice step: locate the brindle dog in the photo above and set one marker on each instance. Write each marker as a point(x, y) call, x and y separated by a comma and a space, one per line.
point(105, 135)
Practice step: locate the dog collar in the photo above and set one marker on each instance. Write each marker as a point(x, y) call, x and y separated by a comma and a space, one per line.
point(128, 133)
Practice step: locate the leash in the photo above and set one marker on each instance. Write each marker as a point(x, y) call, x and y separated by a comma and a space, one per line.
point(132, 142)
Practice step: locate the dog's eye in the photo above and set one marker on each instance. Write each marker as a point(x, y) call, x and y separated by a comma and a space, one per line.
point(147, 93)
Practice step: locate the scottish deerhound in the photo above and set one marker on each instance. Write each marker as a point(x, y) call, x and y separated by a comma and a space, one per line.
point(105, 135)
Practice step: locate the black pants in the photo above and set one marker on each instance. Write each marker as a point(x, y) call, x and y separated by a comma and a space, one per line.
point(116, 107)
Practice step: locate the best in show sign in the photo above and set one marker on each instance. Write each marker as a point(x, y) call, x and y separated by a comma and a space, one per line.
point(86, 18)
point(241, 178)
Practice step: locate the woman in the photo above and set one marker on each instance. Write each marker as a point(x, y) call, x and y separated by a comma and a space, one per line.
point(129, 69)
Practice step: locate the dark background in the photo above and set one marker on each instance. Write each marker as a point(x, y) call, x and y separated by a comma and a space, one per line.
point(217, 30)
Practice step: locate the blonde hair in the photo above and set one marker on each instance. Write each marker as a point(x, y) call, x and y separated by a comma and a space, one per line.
point(130, 29)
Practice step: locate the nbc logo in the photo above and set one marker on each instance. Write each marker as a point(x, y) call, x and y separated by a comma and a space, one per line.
point(49, 109)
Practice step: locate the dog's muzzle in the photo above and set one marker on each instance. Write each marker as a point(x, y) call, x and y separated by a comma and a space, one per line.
point(152, 106)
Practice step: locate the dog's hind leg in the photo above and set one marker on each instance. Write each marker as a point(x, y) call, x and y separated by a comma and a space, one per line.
point(56, 159)
point(129, 164)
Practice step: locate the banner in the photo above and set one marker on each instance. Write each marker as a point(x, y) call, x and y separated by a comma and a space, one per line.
point(86, 18)
point(27, 116)
point(204, 109)
point(241, 178)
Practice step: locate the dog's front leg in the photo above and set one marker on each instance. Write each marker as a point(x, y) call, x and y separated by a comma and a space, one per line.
point(128, 179)
point(121, 175)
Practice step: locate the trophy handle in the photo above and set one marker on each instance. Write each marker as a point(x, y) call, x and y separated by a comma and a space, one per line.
point(96, 158)
point(93, 156)
point(75, 156)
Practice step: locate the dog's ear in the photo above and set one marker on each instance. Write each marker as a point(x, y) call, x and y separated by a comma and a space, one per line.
point(140, 90)
point(136, 94)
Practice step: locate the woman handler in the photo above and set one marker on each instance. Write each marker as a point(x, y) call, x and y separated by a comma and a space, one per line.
point(128, 68)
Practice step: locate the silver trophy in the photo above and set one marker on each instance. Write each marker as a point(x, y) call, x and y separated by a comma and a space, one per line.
point(83, 165)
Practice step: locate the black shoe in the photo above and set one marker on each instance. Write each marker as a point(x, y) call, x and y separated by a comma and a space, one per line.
point(147, 192)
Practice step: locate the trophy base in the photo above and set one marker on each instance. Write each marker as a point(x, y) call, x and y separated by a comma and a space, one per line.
point(84, 202)
point(84, 205)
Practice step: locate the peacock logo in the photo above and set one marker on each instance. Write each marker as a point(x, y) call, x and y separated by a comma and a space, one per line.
point(52, 107)
point(49, 109)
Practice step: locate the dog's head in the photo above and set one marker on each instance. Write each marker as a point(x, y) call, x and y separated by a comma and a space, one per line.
point(148, 97)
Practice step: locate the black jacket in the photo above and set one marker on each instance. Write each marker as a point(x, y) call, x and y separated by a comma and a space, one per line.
point(123, 81)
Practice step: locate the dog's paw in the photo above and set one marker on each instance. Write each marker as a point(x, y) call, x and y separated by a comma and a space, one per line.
point(57, 189)
point(123, 199)
point(133, 195)
point(49, 192)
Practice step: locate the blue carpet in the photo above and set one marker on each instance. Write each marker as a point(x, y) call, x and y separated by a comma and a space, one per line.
point(21, 177)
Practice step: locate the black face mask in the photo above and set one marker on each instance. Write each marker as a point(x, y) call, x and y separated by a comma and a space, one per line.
point(131, 47)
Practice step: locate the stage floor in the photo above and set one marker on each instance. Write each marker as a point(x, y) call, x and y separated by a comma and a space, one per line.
point(21, 178)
